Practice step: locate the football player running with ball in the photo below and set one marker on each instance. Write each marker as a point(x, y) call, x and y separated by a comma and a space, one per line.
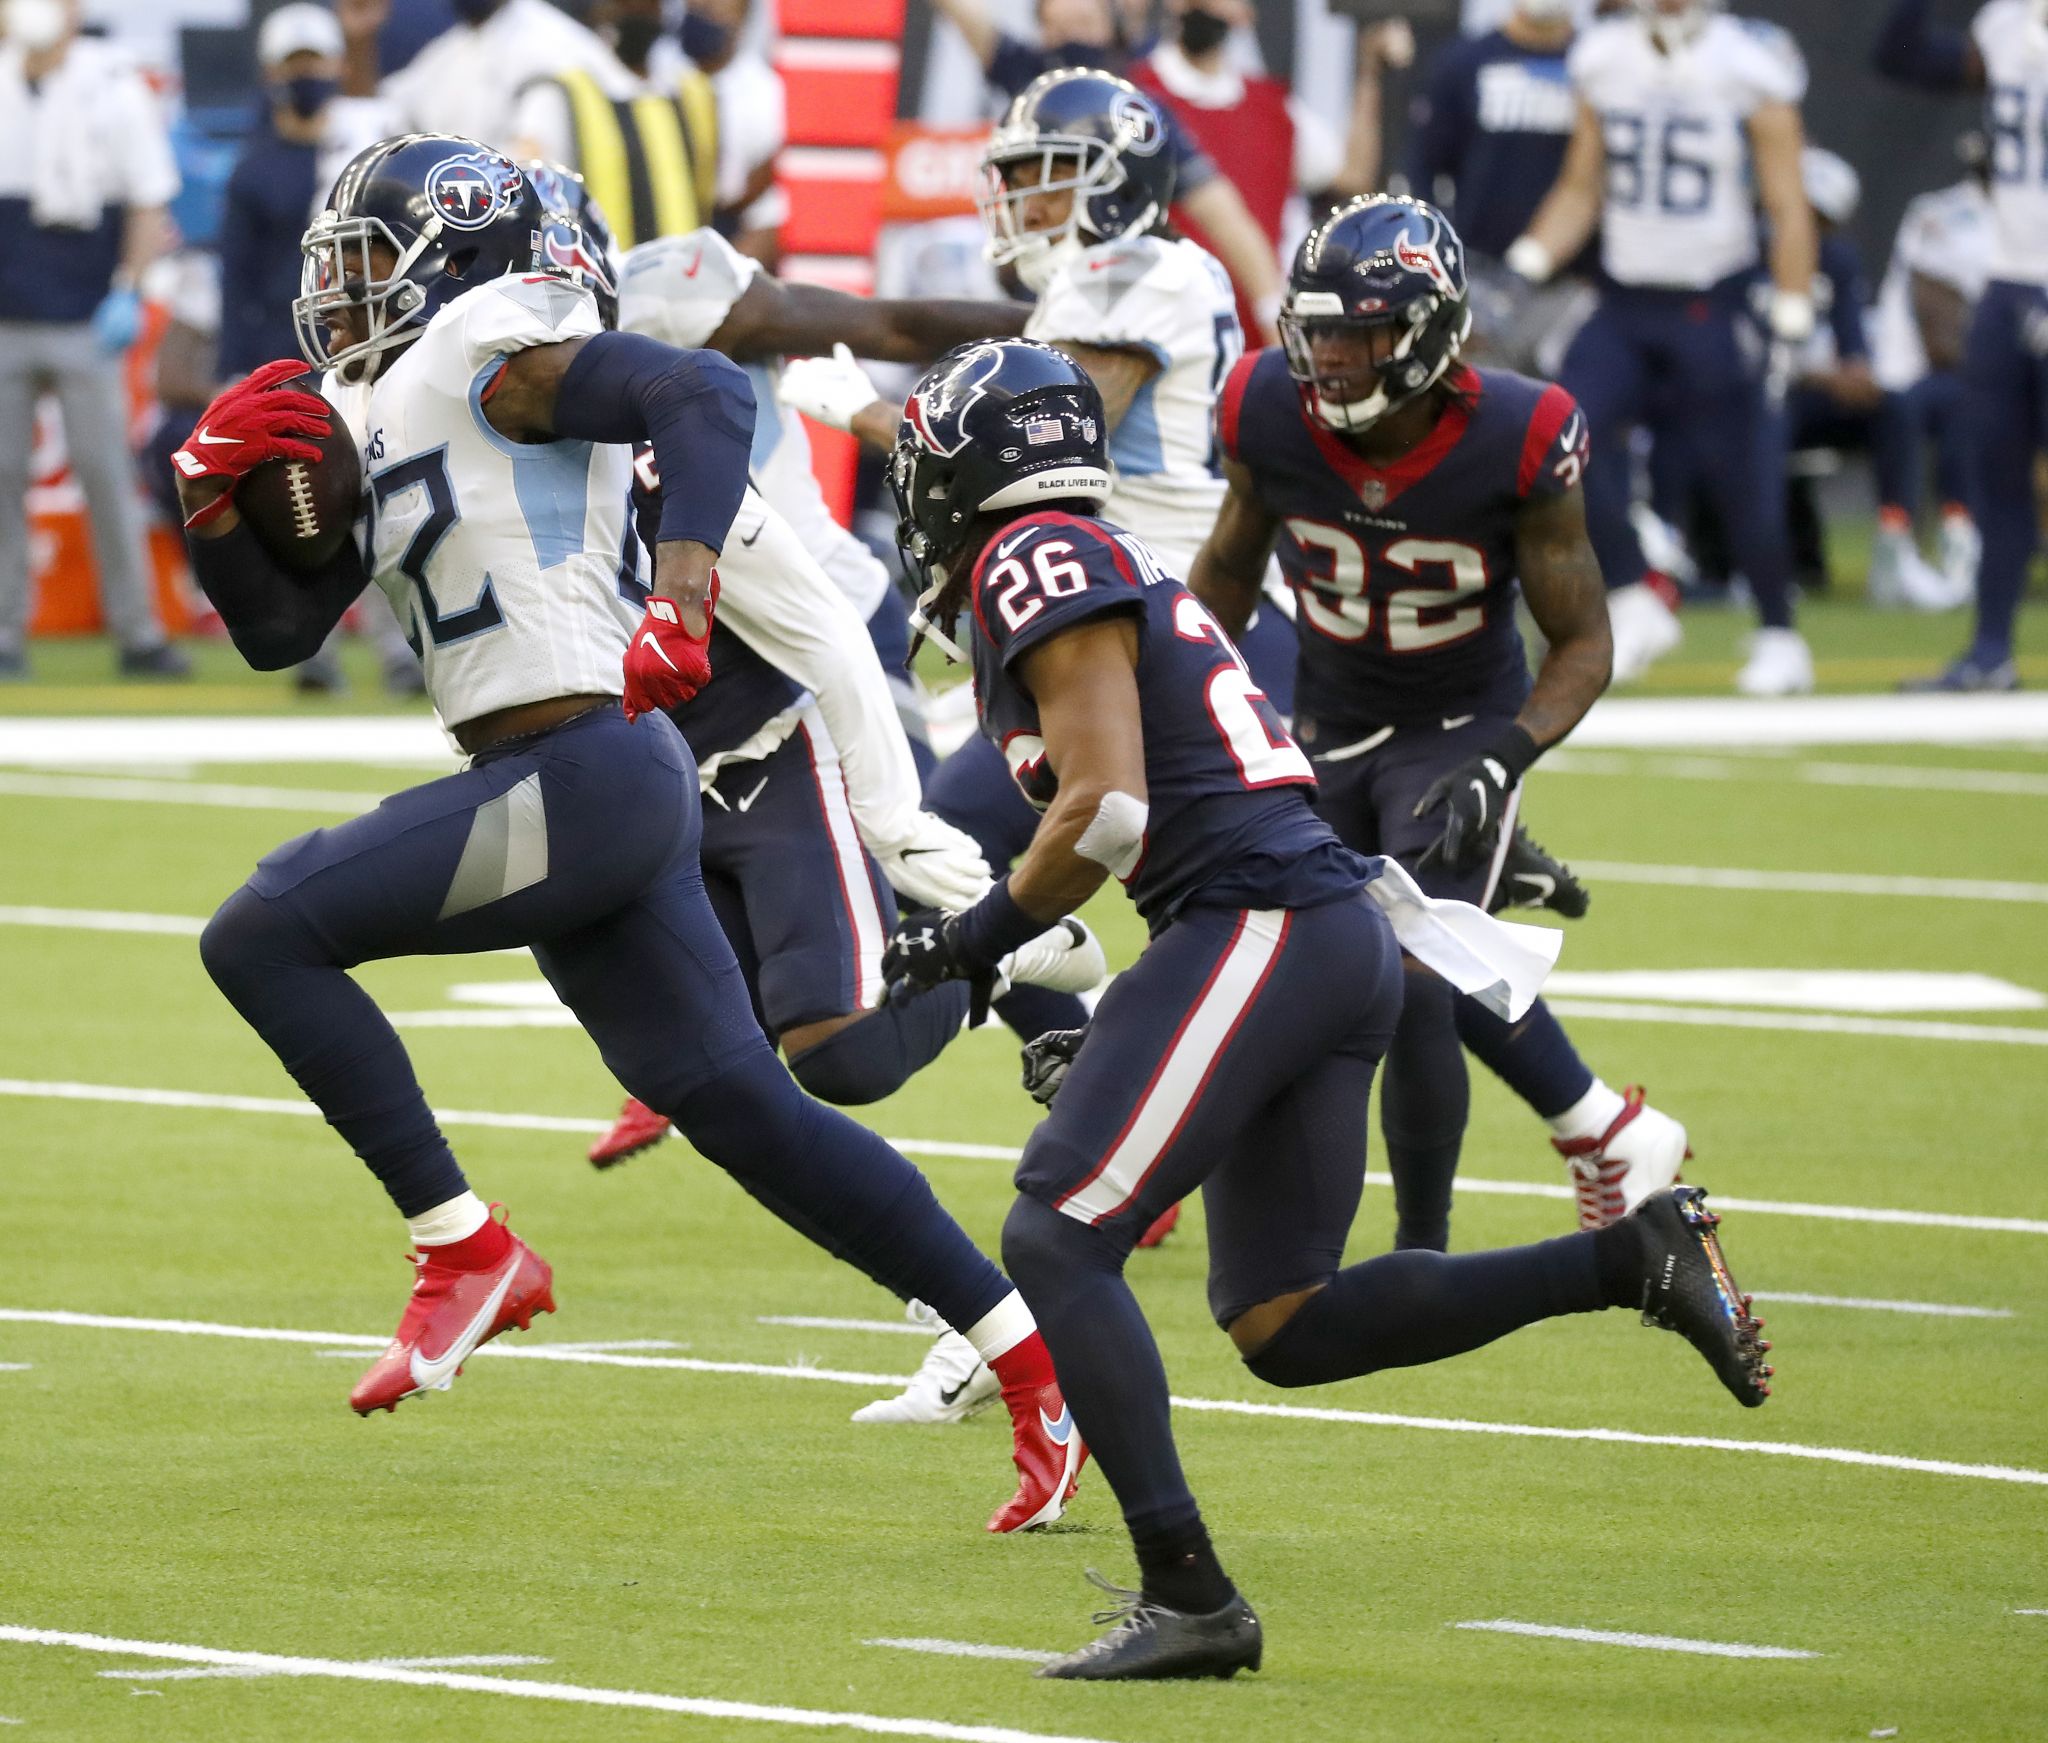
point(1238, 1053)
point(495, 418)
point(1407, 495)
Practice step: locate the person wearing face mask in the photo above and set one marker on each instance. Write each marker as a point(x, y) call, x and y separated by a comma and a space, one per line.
point(752, 118)
point(85, 175)
point(1272, 146)
point(644, 135)
point(469, 79)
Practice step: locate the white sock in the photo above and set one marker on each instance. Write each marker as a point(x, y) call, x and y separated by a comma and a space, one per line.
point(1590, 1115)
point(1000, 1330)
point(456, 1220)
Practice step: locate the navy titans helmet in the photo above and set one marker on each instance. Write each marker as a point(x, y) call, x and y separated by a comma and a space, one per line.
point(996, 424)
point(1378, 263)
point(1090, 133)
point(576, 237)
point(452, 213)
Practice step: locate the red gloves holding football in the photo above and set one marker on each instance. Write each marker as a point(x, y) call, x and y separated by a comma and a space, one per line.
point(247, 424)
point(665, 664)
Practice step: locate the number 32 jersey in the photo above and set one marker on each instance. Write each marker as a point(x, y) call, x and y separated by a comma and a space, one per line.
point(506, 562)
point(1228, 789)
point(1405, 574)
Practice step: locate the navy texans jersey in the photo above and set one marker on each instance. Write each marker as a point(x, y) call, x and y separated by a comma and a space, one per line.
point(1228, 789)
point(1405, 573)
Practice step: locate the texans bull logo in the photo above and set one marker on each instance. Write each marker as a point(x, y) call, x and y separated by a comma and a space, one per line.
point(939, 413)
point(1423, 257)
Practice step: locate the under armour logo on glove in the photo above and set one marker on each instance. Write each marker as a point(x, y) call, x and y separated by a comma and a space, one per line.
point(665, 664)
point(923, 954)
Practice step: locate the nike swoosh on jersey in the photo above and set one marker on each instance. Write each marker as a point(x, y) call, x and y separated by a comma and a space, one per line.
point(1010, 544)
point(760, 788)
point(1455, 721)
point(426, 1373)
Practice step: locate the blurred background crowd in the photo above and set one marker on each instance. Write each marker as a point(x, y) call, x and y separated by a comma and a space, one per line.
point(160, 162)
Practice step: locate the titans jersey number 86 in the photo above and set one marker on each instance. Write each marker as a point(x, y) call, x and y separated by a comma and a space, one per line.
point(502, 559)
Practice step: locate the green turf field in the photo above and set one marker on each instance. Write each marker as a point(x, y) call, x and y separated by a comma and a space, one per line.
point(726, 1542)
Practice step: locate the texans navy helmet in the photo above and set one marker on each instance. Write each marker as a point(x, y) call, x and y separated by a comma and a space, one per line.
point(993, 425)
point(1087, 132)
point(452, 214)
point(1385, 263)
point(577, 237)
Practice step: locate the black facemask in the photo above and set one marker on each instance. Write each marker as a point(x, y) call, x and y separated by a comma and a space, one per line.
point(634, 35)
point(1201, 31)
point(307, 96)
point(704, 39)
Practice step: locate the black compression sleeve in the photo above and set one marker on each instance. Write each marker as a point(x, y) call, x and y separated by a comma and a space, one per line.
point(275, 616)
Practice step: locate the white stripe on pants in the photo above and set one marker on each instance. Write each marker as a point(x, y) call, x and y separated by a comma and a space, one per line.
point(871, 930)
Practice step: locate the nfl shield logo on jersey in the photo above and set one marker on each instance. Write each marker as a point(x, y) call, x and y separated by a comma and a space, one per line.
point(1373, 494)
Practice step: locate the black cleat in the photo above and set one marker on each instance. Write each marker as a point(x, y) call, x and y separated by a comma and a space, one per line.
point(1687, 1288)
point(1147, 1642)
point(1530, 877)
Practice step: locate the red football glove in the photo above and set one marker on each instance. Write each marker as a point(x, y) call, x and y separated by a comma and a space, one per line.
point(665, 664)
point(248, 424)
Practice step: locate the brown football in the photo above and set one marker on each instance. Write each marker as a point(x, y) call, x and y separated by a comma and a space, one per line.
point(302, 510)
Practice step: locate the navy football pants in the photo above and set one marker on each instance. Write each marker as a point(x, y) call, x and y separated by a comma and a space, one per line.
point(2006, 378)
point(582, 843)
point(1639, 348)
point(1932, 411)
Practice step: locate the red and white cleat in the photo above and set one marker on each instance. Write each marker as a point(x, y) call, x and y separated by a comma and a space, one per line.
point(1637, 1157)
point(1162, 1226)
point(637, 1128)
point(1049, 1454)
point(453, 1313)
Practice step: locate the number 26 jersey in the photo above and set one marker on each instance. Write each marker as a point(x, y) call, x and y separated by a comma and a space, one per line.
point(1228, 790)
point(1404, 573)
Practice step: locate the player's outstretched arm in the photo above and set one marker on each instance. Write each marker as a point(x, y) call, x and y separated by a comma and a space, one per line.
point(1230, 567)
point(1915, 50)
point(1568, 599)
point(774, 319)
point(695, 407)
point(1570, 211)
point(1118, 371)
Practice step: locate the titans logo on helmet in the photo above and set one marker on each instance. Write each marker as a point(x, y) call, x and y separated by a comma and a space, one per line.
point(468, 191)
point(1137, 124)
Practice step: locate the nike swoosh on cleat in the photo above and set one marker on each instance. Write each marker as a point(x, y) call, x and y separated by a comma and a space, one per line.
point(948, 1395)
point(441, 1370)
point(1060, 1432)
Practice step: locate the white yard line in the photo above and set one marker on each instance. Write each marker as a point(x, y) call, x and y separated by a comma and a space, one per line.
point(212, 793)
point(1715, 877)
point(472, 1660)
point(103, 920)
point(1223, 1406)
point(574, 1694)
point(250, 1104)
point(1935, 1309)
point(1726, 1017)
point(16, 1367)
point(964, 1649)
point(1650, 1642)
point(2006, 783)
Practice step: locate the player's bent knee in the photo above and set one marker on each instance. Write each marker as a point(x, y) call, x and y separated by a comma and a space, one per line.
point(855, 1062)
point(1042, 1246)
point(249, 933)
point(1254, 1330)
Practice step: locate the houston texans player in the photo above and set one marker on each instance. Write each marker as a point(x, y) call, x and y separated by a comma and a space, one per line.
point(1408, 495)
point(1687, 120)
point(495, 416)
point(2005, 363)
point(809, 780)
point(1238, 1052)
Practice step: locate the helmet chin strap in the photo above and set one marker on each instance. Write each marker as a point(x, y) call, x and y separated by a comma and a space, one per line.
point(922, 624)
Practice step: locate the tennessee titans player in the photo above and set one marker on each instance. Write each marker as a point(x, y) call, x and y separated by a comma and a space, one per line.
point(2005, 365)
point(1687, 120)
point(1238, 1052)
point(495, 416)
point(1408, 495)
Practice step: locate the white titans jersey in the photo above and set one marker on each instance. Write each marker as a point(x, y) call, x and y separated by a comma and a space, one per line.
point(1948, 236)
point(500, 558)
point(1172, 300)
point(1680, 207)
point(678, 290)
point(2014, 44)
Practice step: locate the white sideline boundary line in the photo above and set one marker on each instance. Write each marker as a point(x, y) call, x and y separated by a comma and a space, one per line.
point(252, 1104)
point(575, 1694)
point(1936, 1309)
point(1649, 1642)
point(963, 1649)
point(1223, 1406)
point(1728, 1017)
point(1714, 877)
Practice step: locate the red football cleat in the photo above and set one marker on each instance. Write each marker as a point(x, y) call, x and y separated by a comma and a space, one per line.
point(637, 1128)
point(452, 1314)
point(1049, 1453)
point(1164, 1225)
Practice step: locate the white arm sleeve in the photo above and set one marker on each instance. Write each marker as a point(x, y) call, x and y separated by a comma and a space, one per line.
point(776, 599)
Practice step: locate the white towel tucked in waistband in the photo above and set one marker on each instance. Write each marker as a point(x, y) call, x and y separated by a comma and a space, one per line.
point(1500, 964)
